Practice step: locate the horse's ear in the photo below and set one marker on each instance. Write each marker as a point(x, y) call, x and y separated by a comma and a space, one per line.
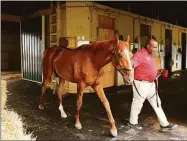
point(128, 39)
point(116, 39)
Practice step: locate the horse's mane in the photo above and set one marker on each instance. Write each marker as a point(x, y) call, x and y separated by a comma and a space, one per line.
point(97, 45)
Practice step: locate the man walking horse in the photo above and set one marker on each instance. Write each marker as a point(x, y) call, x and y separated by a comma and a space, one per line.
point(145, 86)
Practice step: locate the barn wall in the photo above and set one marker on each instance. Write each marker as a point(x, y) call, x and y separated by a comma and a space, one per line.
point(124, 25)
point(63, 21)
point(78, 19)
point(157, 31)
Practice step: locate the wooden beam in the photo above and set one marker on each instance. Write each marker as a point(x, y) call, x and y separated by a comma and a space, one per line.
point(10, 18)
point(40, 13)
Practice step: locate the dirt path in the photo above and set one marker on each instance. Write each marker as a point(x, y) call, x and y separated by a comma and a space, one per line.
point(24, 96)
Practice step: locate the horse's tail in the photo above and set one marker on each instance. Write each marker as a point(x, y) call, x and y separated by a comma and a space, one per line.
point(47, 61)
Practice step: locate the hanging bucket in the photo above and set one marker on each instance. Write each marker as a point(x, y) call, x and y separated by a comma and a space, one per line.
point(165, 73)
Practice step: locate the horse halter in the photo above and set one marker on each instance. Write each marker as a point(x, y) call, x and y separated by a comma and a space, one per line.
point(116, 58)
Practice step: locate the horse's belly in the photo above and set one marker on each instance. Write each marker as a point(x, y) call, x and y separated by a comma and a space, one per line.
point(90, 77)
point(64, 69)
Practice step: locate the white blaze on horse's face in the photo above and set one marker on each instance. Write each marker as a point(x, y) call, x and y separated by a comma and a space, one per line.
point(127, 54)
point(128, 75)
point(123, 63)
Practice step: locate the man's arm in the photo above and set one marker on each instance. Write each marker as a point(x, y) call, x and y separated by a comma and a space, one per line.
point(135, 60)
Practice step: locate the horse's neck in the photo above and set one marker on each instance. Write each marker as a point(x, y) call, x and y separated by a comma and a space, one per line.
point(103, 55)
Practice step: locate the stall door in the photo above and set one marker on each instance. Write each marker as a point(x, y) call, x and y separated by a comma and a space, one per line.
point(31, 49)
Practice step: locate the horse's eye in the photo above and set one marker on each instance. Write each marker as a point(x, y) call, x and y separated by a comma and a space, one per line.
point(121, 56)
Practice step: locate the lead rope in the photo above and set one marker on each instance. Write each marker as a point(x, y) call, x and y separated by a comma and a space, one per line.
point(156, 89)
point(137, 90)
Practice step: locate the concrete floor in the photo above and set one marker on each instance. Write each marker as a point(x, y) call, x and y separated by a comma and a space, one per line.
point(24, 97)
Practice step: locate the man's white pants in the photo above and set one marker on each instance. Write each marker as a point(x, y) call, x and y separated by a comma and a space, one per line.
point(146, 90)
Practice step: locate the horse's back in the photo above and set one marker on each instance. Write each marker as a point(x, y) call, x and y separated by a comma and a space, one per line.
point(76, 65)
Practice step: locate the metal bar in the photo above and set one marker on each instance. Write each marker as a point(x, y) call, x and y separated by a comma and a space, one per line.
point(29, 57)
point(37, 56)
point(21, 49)
point(32, 81)
point(22, 59)
point(26, 52)
point(34, 57)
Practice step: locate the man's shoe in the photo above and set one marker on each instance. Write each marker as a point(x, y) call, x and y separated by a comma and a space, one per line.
point(169, 127)
point(134, 126)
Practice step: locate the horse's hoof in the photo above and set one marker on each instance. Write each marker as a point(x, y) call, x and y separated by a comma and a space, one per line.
point(78, 126)
point(114, 133)
point(63, 115)
point(41, 107)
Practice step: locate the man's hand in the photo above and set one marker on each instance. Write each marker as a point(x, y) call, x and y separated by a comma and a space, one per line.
point(159, 72)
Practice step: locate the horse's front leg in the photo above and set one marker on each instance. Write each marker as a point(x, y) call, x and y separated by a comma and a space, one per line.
point(80, 88)
point(99, 91)
point(60, 93)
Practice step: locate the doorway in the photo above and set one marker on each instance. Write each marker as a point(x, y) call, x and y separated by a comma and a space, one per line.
point(145, 32)
point(10, 46)
point(168, 49)
point(183, 51)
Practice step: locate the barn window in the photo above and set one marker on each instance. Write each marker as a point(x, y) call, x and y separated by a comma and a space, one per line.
point(106, 22)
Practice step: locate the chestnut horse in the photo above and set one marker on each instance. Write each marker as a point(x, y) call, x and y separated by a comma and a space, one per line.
point(84, 66)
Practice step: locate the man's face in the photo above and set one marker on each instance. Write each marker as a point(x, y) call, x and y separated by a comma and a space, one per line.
point(153, 45)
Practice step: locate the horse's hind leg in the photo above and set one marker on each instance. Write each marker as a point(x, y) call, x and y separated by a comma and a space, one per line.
point(80, 89)
point(45, 85)
point(99, 91)
point(60, 93)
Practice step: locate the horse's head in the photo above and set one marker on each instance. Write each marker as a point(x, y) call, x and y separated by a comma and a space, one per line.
point(121, 59)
